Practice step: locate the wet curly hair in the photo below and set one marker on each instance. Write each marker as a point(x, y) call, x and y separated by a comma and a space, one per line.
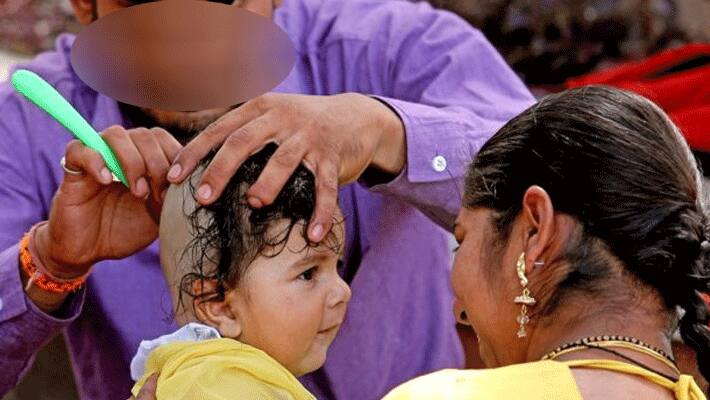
point(229, 234)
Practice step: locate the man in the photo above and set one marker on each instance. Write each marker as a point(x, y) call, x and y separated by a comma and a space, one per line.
point(436, 90)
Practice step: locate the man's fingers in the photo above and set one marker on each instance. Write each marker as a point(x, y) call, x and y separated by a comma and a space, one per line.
point(155, 160)
point(189, 157)
point(171, 147)
point(81, 158)
point(326, 201)
point(236, 149)
point(130, 158)
point(149, 389)
point(278, 170)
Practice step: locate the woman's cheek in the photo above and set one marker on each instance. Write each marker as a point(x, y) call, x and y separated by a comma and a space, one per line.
point(462, 280)
point(456, 279)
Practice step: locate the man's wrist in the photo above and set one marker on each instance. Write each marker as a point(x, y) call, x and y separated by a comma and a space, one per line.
point(46, 289)
point(391, 153)
point(45, 300)
point(41, 246)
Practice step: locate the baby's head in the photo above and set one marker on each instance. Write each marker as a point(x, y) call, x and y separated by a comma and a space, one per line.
point(252, 273)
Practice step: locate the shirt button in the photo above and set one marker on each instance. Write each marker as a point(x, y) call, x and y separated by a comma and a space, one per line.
point(438, 163)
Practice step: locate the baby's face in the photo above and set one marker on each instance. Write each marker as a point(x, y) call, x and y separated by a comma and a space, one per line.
point(292, 305)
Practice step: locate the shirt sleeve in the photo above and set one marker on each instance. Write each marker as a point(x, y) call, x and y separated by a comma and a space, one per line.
point(452, 91)
point(24, 327)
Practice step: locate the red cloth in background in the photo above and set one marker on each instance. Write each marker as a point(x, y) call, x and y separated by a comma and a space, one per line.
point(682, 91)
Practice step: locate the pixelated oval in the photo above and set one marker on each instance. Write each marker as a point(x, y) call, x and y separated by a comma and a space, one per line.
point(182, 55)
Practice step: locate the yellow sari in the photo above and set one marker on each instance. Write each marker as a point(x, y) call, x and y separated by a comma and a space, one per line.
point(219, 369)
point(541, 380)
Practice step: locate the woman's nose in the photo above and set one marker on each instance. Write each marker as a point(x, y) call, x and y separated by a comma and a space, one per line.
point(460, 314)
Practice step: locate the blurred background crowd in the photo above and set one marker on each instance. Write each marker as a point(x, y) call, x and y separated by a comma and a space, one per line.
point(547, 42)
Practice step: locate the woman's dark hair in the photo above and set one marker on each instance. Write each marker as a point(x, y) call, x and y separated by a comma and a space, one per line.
point(613, 161)
point(228, 234)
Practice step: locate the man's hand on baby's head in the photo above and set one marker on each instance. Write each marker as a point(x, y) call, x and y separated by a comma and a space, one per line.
point(337, 137)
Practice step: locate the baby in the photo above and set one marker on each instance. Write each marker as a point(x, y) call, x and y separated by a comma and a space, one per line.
point(259, 304)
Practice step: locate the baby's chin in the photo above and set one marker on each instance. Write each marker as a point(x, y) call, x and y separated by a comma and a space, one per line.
point(317, 354)
point(311, 364)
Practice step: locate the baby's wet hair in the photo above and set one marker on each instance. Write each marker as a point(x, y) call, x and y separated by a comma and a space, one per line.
point(228, 235)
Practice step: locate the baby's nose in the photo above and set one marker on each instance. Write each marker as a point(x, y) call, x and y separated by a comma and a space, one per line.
point(347, 293)
point(341, 293)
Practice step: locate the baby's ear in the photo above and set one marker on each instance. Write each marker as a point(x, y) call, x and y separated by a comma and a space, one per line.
point(217, 314)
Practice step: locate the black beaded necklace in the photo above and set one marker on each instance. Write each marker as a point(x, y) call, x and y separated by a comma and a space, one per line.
point(601, 342)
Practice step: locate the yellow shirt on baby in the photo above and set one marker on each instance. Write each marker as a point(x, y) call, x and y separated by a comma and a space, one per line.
point(542, 380)
point(219, 369)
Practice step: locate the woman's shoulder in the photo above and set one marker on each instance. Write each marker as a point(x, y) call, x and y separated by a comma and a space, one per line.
point(535, 380)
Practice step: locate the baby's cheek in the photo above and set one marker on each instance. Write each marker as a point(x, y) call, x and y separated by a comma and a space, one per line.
point(301, 314)
point(296, 344)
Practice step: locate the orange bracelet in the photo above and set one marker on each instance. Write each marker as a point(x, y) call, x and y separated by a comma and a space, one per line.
point(39, 276)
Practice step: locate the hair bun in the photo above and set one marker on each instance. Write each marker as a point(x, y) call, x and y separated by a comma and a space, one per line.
point(698, 277)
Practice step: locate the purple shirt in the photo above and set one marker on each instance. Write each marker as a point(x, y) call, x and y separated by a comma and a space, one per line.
point(448, 85)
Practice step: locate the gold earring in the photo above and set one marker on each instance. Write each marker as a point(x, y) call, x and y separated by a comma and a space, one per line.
point(525, 299)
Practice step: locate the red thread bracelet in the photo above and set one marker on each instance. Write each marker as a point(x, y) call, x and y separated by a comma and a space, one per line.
point(38, 275)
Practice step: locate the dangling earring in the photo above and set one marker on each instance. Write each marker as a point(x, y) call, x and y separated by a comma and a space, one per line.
point(525, 299)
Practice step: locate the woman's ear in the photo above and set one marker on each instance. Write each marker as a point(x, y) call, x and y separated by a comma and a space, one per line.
point(547, 236)
point(539, 220)
point(217, 314)
point(84, 10)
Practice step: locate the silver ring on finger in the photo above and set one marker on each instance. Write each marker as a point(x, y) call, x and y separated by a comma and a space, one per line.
point(63, 163)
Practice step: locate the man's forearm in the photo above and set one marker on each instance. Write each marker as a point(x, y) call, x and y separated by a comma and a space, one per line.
point(45, 300)
point(24, 326)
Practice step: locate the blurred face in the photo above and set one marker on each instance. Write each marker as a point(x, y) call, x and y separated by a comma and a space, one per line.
point(292, 305)
point(485, 283)
point(183, 125)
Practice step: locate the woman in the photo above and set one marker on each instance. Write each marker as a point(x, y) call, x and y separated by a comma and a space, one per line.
point(583, 248)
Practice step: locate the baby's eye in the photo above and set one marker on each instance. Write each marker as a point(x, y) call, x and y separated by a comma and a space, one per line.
point(457, 249)
point(307, 275)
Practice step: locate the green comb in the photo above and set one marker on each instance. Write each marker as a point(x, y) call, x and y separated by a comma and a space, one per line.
point(44, 96)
